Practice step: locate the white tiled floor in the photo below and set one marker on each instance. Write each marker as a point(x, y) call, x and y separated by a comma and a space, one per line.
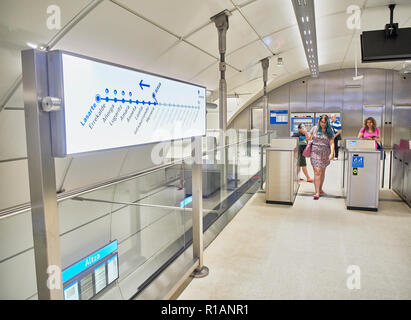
point(303, 251)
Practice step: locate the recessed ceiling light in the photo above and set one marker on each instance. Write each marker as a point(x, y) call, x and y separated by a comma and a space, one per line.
point(307, 18)
point(302, 18)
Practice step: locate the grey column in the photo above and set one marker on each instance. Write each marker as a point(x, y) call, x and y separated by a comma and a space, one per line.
point(42, 178)
point(197, 192)
point(221, 22)
point(265, 63)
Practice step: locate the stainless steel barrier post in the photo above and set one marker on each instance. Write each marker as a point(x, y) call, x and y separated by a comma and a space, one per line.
point(197, 191)
point(42, 180)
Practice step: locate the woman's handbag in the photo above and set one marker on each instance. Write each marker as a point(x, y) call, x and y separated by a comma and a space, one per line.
point(307, 150)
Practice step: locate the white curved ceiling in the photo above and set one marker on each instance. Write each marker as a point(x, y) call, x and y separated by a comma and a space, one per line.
point(177, 39)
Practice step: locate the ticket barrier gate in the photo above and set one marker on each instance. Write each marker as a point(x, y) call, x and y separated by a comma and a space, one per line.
point(282, 171)
point(401, 170)
point(361, 174)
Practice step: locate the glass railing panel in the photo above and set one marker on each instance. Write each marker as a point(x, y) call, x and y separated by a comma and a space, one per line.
point(149, 215)
point(143, 214)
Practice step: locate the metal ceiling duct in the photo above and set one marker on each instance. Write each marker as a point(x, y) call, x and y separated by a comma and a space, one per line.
point(304, 12)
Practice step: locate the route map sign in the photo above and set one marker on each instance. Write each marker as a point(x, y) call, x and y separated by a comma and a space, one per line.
point(107, 106)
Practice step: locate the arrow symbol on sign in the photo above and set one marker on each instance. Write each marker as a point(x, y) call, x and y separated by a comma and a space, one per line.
point(143, 85)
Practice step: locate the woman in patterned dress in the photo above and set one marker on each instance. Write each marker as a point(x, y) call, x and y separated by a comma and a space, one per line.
point(322, 152)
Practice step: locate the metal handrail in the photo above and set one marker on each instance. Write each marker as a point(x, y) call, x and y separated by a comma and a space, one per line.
point(12, 211)
point(141, 204)
point(77, 192)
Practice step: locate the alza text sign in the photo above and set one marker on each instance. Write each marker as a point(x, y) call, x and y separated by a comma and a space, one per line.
point(106, 106)
point(89, 276)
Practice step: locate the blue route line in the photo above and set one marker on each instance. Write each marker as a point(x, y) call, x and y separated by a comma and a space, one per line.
point(143, 102)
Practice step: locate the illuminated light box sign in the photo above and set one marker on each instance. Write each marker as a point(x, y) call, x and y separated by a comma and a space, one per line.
point(107, 106)
point(89, 276)
point(278, 116)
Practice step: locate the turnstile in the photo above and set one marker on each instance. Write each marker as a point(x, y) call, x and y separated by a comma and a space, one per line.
point(282, 171)
point(401, 170)
point(361, 174)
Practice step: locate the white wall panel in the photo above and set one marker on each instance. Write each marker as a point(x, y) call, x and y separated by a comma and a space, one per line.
point(12, 134)
point(74, 213)
point(79, 243)
point(10, 64)
point(86, 170)
point(14, 183)
point(137, 159)
point(12, 242)
point(18, 277)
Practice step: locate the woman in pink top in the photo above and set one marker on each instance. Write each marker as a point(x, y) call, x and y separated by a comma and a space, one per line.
point(370, 131)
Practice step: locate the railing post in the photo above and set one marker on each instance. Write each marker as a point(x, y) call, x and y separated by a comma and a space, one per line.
point(197, 193)
point(44, 213)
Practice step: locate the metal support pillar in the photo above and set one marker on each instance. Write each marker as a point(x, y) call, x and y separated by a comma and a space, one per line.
point(221, 22)
point(42, 178)
point(197, 191)
point(265, 63)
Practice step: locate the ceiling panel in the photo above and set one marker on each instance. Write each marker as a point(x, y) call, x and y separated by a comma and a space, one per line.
point(171, 63)
point(327, 7)
point(22, 22)
point(179, 16)
point(248, 55)
point(284, 40)
point(332, 26)
point(124, 38)
point(332, 50)
point(268, 16)
point(239, 34)
point(376, 3)
point(294, 60)
point(244, 77)
point(210, 77)
point(377, 18)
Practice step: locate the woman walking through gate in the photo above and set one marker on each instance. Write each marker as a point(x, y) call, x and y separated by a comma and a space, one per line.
point(322, 152)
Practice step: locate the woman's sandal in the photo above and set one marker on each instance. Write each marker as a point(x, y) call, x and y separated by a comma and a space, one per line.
point(316, 197)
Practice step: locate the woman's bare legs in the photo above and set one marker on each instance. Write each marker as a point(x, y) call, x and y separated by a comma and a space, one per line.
point(317, 180)
point(322, 180)
point(306, 174)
